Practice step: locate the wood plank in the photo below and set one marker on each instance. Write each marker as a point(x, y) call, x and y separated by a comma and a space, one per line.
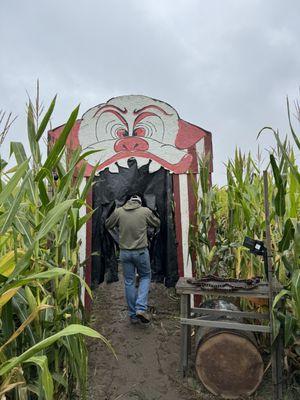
point(226, 325)
point(236, 293)
point(262, 291)
point(235, 314)
point(185, 334)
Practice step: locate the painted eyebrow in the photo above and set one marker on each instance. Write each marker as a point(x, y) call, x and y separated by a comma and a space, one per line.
point(151, 106)
point(108, 106)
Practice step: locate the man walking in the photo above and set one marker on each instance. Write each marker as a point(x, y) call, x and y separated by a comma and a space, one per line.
point(133, 220)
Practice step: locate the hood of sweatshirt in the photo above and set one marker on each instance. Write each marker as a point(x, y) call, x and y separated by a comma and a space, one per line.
point(131, 205)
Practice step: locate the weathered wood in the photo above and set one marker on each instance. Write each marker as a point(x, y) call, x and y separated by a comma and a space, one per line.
point(229, 313)
point(280, 357)
point(185, 333)
point(229, 365)
point(225, 325)
point(262, 291)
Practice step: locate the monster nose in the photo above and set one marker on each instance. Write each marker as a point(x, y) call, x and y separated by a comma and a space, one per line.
point(131, 144)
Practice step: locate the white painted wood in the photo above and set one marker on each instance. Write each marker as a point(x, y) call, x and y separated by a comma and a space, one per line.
point(185, 224)
point(82, 237)
point(200, 148)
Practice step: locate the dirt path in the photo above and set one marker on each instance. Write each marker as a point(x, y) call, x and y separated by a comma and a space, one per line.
point(148, 359)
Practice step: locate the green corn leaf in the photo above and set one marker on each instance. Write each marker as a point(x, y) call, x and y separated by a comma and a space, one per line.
point(288, 235)
point(281, 188)
point(46, 119)
point(73, 329)
point(31, 300)
point(279, 202)
point(46, 378)
point(291, 126)
point(276, 172)
point(88, 153)
point(88, 184)
point(43, 193)
point(18, 150)
point(83, 220)
point(34, 146)
point(282, 293)
point(292, 166)
point(13, 181)
point(63, 231)
point(296, 291)
point(53, 217)
point(57, 150)
point(14, 207)
point(3, 164)
point(290, 324)
point(297, 246)
point(23, 227)
point(55, 272)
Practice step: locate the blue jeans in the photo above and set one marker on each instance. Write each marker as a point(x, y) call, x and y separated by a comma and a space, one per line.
point(132, 261)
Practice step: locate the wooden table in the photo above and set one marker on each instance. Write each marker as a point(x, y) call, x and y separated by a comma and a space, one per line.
point(192, 317)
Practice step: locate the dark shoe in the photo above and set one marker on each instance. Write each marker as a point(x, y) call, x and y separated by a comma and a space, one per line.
point(134, 320)
point(143, 316)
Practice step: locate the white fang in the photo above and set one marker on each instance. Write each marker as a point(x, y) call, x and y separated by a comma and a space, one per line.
point(154, 166)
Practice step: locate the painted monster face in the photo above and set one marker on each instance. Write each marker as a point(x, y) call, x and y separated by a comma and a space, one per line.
point(138, 127)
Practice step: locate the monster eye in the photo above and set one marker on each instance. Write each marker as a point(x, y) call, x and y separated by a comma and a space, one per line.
point(122, 133)
point(139, 132)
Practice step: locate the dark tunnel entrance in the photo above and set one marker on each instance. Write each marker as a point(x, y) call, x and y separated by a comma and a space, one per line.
point(111, 189)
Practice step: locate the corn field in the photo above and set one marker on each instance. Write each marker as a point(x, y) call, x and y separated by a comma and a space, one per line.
point(43, 352)
point(236, 210)
point(42, 333)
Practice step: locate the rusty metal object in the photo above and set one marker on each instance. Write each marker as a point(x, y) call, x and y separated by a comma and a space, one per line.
point(212, 282)
point(228, 362)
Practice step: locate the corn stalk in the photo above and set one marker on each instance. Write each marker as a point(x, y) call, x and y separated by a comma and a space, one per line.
point(43, 352)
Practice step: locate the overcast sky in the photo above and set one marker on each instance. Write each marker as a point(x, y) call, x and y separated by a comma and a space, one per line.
point(225, 65)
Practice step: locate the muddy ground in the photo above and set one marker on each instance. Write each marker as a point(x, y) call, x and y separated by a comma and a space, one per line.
point(147, 367)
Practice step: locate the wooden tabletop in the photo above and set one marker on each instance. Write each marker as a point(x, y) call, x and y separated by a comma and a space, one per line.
point(262, 291)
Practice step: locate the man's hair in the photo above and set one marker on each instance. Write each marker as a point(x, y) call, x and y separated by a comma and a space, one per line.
point(136, 194)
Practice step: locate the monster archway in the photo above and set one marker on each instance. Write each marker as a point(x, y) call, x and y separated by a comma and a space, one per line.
point(152, 133)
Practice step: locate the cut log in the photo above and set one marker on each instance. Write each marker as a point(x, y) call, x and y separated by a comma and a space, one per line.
point(229, 364)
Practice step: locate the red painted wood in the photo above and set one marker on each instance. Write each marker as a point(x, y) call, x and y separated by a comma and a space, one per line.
point(188, 135)
point(178, 228)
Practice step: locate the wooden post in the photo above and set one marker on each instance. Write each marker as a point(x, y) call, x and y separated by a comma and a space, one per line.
point(185, 307)
point(276, 345)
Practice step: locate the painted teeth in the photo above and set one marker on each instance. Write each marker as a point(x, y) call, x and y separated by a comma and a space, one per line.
point(113, 168)
point(154, 166)
point(141, 161)
point(123, 162)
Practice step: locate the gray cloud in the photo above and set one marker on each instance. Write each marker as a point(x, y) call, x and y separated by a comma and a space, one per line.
point(224, 65)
